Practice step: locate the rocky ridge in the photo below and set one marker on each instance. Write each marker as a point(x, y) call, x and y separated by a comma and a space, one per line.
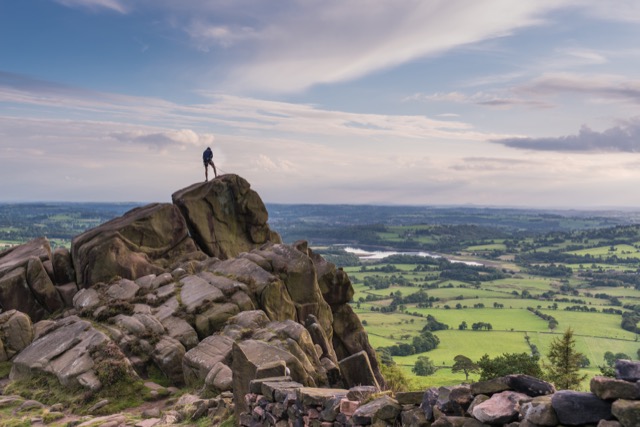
point(200, 289)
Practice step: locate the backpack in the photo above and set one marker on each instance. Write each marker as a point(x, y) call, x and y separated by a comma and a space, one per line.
point(207, 155)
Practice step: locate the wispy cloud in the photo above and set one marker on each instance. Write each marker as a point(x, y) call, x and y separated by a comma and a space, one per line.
point(541, 91)
point(116, 5)
point(624, 138)
point(226, 111)
point(497, 99)
point(600, 87)
point(490, 164)
point(164, 139)
point(292, 45)
point(334, 41)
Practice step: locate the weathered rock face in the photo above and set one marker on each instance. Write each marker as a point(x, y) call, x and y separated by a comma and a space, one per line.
point(349, 337)
point(145, 240)
point(67, 350)
point(225, 216)
point(16, 333)
point(26, 273)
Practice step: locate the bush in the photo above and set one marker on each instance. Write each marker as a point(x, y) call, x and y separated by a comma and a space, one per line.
point(509, 363)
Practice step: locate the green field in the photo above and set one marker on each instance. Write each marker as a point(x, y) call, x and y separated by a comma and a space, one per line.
point(621, 251)
point(595, 332)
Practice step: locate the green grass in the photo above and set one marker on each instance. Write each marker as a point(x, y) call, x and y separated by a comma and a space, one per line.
point(616, 292)
point(592, 347)
point(5, 369)
point(503, 319)
point(522, 282)
point(595, 333)
point(621, 251)
point(592, 324)
point(442, 377)
point(490, 247)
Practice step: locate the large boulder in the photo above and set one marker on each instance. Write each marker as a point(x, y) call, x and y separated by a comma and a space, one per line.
point(384, 408)
point(335, 284)
point(199, 361)
point(539, 411)
point(529, 385)
point(71, 349)
point(501, 408)
point(627, 412)
point(298, 274)
point(627, 370)
point(248, 356)
point(356, 370)
point(16, 333)
point(225, 216)
point(145, 240)
point(63, 271)
point(610, 388)
point(577, 408)
point(349, 337)
point(18, 256)
point(26, 284)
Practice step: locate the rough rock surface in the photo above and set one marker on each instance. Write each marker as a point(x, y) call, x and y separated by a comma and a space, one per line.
point(610, 388)
point(539, 411)
point(66, 351)
point(16, 333)
point(26, 280)
point(627, 412)
point(225, 216)
point(576, 408)
point(501, 408)
point(143, 241)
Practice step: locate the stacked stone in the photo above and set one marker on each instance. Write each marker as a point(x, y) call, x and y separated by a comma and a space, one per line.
point(514, 401)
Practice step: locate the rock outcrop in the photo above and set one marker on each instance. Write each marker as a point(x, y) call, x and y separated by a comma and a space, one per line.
point(225, 216)
point(145, 240)
point(201, 290)
point(16, 333)
point(27, 280)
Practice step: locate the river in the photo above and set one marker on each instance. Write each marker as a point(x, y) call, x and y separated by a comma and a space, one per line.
point(377, 255)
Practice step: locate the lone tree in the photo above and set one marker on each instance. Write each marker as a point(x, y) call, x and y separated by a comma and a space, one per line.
point(424, 367)
point(464, 364)
point(564, 368)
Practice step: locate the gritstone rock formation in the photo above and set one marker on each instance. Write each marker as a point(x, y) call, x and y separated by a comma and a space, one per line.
point(201, 289)
point(225, 216)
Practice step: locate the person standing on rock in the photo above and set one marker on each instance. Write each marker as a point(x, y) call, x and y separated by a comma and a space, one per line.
point(207, 158)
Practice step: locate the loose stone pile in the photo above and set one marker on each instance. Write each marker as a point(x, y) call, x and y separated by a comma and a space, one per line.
point(514, 401)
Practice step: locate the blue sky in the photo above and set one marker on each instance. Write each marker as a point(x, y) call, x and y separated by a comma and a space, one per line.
point(484, 102)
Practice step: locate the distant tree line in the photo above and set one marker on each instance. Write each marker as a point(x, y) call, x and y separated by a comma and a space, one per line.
point(553, 323)
point(424, 342)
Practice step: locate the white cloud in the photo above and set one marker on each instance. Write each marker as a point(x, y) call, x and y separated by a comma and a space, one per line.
point(164, 139)
point(498, 99)
point(587, 56)
point(223, 35)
